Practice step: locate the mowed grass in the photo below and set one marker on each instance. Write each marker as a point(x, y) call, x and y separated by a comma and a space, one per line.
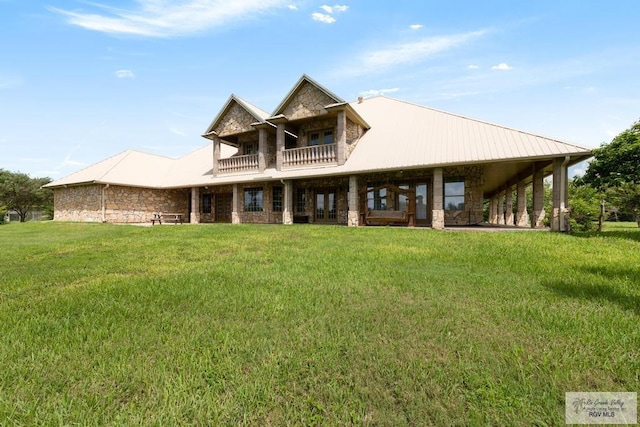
point(311, 325)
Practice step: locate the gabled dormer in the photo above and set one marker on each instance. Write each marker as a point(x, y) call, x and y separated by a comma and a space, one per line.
point(313, 127)
point(243, 126)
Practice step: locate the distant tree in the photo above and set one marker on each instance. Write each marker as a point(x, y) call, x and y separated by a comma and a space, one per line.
point(616, 163)
point(615, 171)
point(584, 204)
point(626, 198)
point(23, 194)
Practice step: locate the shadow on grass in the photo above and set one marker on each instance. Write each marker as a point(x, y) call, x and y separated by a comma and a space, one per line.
point(627, 234)
point(596, 292)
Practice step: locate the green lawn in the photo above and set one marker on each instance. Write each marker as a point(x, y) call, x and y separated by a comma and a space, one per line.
point(311, 325)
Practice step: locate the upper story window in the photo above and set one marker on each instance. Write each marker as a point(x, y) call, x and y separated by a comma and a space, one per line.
point(250, 148)
point(321, 137)
point(454, 194)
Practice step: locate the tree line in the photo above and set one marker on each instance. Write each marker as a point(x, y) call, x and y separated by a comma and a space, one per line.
point(23, 194)
point(610, 186)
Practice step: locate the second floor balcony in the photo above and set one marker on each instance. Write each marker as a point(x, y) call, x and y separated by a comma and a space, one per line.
point(309, 156)
point(234, 164)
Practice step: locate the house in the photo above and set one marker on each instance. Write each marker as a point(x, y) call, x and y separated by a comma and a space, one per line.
point(319, 159)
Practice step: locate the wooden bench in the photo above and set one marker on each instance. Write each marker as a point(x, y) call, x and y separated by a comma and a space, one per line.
point(386, 217)
point(166, 217)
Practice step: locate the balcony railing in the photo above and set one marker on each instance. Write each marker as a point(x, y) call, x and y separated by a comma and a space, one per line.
point(306, 156)
point(248, 162)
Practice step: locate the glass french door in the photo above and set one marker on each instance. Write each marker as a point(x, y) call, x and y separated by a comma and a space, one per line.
point(223, 207)
point(422, 203)
point(326, 210)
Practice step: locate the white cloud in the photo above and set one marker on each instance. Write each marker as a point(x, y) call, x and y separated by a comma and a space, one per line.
point(376, 92)
point(327, 17)
point(406, 53)
point(163, 18)
point(473, 67)
point(125, 74)
point(415, 26)
point(335, 8)
point(292, 7)
point(502, 66)
point(321, 17)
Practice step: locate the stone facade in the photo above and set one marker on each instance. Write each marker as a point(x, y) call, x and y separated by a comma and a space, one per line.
point(237, 120)
point(307, 102)
point(354, 132)
point(81, 203)
point(102, 203)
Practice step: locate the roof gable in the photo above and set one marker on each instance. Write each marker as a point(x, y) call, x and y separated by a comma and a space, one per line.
point(237, 116)
point(307, 98)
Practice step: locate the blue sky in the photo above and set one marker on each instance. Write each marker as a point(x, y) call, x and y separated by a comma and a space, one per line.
point(84, 80)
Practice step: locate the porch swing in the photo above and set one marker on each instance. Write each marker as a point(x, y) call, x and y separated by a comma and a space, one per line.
point(390, 216)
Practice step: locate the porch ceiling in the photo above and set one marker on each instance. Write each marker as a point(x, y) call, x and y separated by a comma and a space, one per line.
point(500, 175)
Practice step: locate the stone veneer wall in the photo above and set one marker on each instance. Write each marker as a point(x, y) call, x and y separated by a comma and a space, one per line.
point(122, 204)
point(308, 101)
point(236, 120)
point(473, 198)
point(133, 204)
point(354, 132)
point(81, 203)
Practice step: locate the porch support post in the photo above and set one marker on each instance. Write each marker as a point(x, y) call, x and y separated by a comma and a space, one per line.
point(341, 143)
point(353, 216)
point(262, 149)
point(508, 219)
point(559, 216)
point(493, 210)
point(537, 219)
point(216, 155)
point(287, 208)
point(279, 145)
point(437, 215)
point(194, 218)
point(235, 204)
point(501, 208)
point(521, 213)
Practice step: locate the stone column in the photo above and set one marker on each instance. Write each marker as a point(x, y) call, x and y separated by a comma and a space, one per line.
point(195, 206)
point(235, 205)
point(437, 215)
point(353, 216)
point(537, 219)
point(287, 202)
point(262, 149)
point(216, 155)
point(559, 214)
point(279, 145)
point(493, 210)
point(508, 219)
point(521, 214)
point(341, 138)
point(500, 212)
